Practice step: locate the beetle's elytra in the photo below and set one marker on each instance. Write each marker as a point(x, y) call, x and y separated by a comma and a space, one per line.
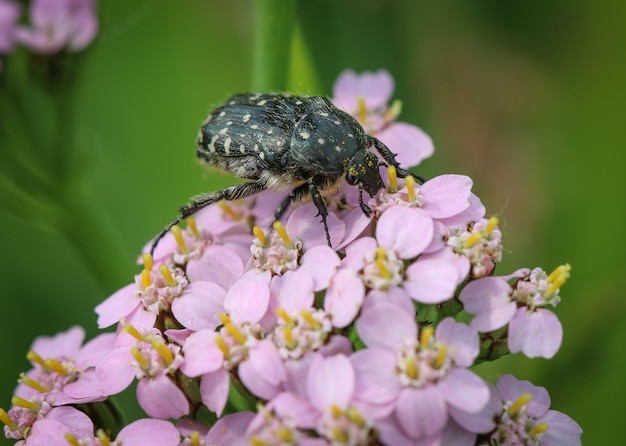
point(285, 142)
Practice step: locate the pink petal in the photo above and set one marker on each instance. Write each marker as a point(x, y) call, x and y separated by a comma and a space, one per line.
point(356, 251)
point(159, 397)
point(202, 355)
point(511, 388)
point(116, 371)
point(394, 295)
point(148, 431)
point(230, 430)
point(409, 143)
point(293, 290)
point(421, 411)
point(474, 212)
point(562, 430)
point(446, 195)
point(375, 88)
point(464, 390)
point(462, 341)
point(375, 330)
point(305, 224)
point(406, 231)
point(535, 333)
point(218, 264)
point(483, 420)
point(263, 372)
point(430, 281)
point(489, 299)
point(376, 380)
point(199, 306)
point(60, 346)
point(119, 305)
point(344, 298)
point(214, 389)
point(247, 301)
point(321, 263)
point(95, 350)
point(356, 224)
point(331, 382)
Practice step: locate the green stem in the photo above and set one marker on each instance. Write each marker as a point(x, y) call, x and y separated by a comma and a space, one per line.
point(275, 20)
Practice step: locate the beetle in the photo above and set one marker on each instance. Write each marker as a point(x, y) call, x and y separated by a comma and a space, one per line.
point(285, 142)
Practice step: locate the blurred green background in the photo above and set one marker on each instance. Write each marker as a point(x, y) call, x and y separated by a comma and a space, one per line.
point(525, 97)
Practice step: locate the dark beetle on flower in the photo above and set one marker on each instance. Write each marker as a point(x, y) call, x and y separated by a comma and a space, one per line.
point(284, 142)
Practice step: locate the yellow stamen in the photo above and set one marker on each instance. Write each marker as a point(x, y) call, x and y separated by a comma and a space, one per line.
point(103, 437)
point(284, 434)
point(147, 261)
point(146, 280)
point(539, 429)
point(21, 402)
point(425, 336)
point(235, 333)
point(392, 173)
point(225, 318)
point(33, 384)
point(410, 187)
point(491, 225)
point(355, 416)
point(258, 233)
point(339, 435)
point(195, 438)
point(281, 313)
point(229, 210)
point(178, 236)
point(394, 110)
point(381, 255)
point(410, 369)
point(362, 109)
point(128, 328)
point(519, 403)
point(288, 334)
point(167, 275)
point(141, 360)
point(34, 358)
point(221, 344)
point(191, 225)
point(163, 351)
point(473, 239)
point(441, 357)
point(256, 441)
point(71, 439)
point(6, 419)
point(280, 230)
point(308, 317)
point(557, 278)
point(336, 411)
point(55, 366)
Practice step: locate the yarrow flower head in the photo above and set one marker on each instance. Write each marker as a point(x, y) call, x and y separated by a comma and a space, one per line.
point(280, 337)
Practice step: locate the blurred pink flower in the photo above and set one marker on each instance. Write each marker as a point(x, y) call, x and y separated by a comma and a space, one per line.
point(9, 14)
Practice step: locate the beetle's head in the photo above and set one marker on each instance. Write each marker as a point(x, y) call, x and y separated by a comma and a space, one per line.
point(363, 171)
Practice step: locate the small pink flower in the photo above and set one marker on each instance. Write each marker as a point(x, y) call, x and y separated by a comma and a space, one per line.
point(9, 15)
point(59, 24)
point(365, 97)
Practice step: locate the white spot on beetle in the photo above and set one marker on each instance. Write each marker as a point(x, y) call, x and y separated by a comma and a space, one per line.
point(227, 146)
point(254, 126)
point(212, 143)
point(246, 118)
point(222, 114)
point(229, 123)
point(263, 102)
point(350, 135)
point(321, 141)
point(336, 122)
point(256, 147)
point(298, 102)
point(305, 135)
point(242, 149)
point(338, 149)
point(262, 155)
point(223, 131)
point(270, 131)
point(324, 114)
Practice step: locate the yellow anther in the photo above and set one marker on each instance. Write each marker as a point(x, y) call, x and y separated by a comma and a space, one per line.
point(195, 438)
point(26, 404)
point(308, 317)
point(285, 435)
point(146, 280)
point(355, 416)
point(147, 261)
point(288, 334)
point(236, 334)
point(491, 224)
point(381, 255)
point(33, 384)
point(55, 366)
point(425, 336)
point(557, 278)
point(225, 318)
point(103, 437)
point(167, 275)
point(256, 441)
point(258, 233)
point(362, 109)
point(339, 435)
point(410, 187)
point(394, 110)
point(71, 439)
point(519, 403)
point(178, 236)
point(441, 357)
point(128, 328)
point(411, 369)
point(539, 429)
point(473, 239)
point(162, 350)
point(191, 225)
point(34, 358)
point(280, 230)
point(281, 313)
point(392, 173)
point(6, 419)
point(139, 358)
point(221, 344)
point(336, 411)
point(229, 210)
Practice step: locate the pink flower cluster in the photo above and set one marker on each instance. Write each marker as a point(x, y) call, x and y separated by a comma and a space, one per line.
point(354, 345)
point(54, 25)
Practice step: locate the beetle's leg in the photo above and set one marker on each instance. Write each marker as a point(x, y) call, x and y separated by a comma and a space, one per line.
point(365, 208)
point(319, 203)
point(295, 195)
point(202, 201)
point(388, 156)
